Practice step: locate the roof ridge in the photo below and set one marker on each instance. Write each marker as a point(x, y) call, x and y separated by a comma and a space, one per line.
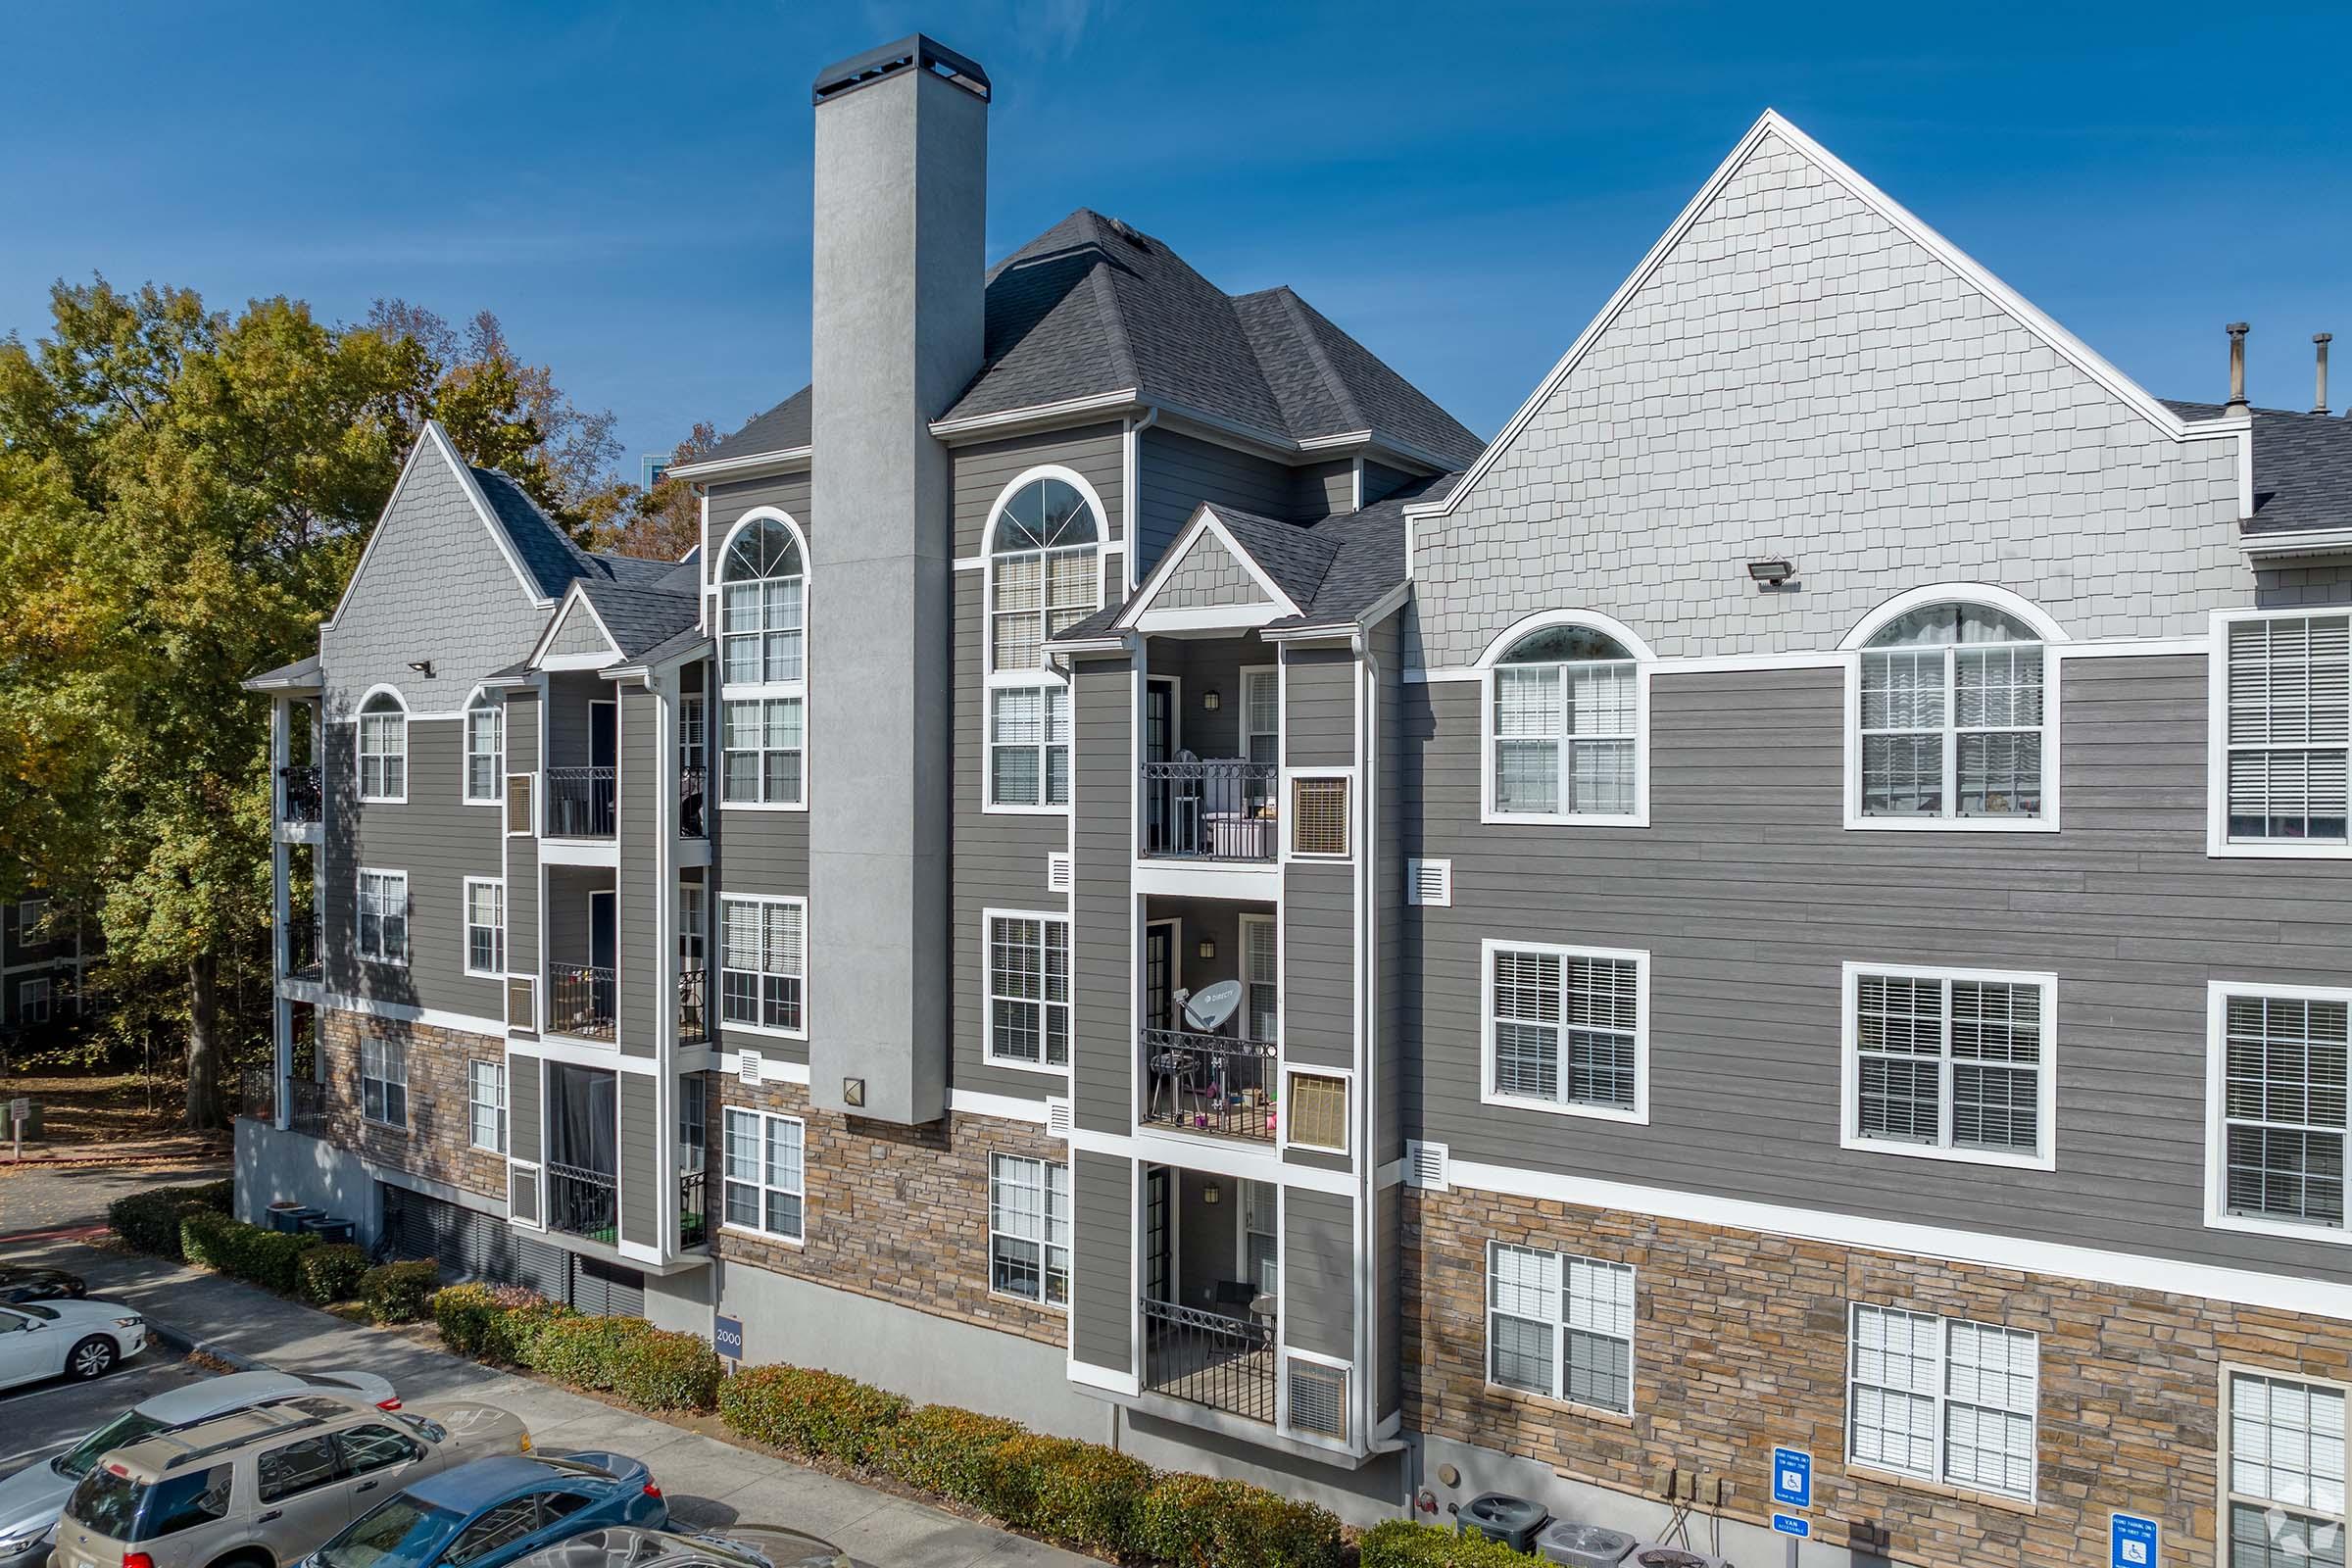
point(1099, 277)
point(1305, 316)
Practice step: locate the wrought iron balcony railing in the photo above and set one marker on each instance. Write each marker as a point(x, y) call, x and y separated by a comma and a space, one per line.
point(1210, 1084)
point(580, 1001)
point(301, 798)
point(580, 802)
point(694, 1208)
point(694, 1015)
point(305, 943)
point(1226, 1363)
point(584, 1203)
point(694, 795)
point(1220, 811)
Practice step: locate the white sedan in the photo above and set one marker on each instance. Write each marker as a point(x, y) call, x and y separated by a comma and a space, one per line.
point(76, 1338)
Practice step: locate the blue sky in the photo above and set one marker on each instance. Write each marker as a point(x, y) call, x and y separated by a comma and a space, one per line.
point(1460, 188)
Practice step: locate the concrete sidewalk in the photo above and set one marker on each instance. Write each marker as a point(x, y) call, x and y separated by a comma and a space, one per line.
point(710, 1484)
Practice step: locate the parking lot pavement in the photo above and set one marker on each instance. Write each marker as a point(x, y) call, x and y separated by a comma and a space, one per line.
point(709, 1483)
point(40, 1416)
point(35, 1199)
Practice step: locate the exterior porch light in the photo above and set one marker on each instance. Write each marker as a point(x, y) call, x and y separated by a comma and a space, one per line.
point(1212, 1194)
point(1771, 573)
point(423, 666)
point(1211, 701)
point(1208, 946)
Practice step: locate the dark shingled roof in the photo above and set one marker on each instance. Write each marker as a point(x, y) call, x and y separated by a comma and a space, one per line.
point(547, 551)
point(1093, 307)
point(639, 617)
point(303, 672)
point(2302, 468)
point(686, 642)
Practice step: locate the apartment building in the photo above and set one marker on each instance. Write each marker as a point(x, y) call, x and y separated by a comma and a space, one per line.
point(41, 963)
point(1142, 879)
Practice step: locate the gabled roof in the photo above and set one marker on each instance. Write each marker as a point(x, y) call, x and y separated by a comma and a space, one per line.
point(2302, 468)
point(300, 675)
point(548, 552)
point(1092, 307)
point(638, 619)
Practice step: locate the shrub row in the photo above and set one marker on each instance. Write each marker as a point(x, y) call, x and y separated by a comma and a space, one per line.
point(249, 1253)
point(1080, 1493)
point(149, 1221)
point(1403, 1543)
point(301, 1265)
point(398, 1293)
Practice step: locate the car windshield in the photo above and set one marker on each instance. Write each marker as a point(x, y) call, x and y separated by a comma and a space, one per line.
point(120, 1432)
point(401, 1533)
point(430, 1431)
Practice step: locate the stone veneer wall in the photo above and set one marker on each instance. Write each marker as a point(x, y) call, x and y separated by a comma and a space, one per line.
point(1741, 1344)
point(898, 1213)
point(436, 1144)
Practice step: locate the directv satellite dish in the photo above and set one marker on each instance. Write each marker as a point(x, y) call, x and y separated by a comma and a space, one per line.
point(1208, 1009)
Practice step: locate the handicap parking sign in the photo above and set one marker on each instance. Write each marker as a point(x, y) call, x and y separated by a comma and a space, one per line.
point(1793, 1477)
point(2131, 1541)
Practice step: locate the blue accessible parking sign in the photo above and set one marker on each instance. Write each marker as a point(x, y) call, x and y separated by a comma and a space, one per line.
point(1793, 1477)
point(2131, 1542)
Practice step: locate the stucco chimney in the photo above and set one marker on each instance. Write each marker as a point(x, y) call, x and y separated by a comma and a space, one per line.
point(2237, 368)
point(897, 335)
point(2318, 397)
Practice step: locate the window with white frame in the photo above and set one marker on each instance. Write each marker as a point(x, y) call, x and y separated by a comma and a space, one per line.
point(1029, 989)
point(693, 738)
point(1261, 987)
point(485, 926)
point(1561, 1326)
point(1955, 1062)
point(760, 607)
point(1029, 1229)
point(766, 1179)
point(2289, 730)
point(1044, 576)
point(383, 743)
point(383, 917)
point(1261, 1237)
point(762, 955)
point(1566, 1029)
point(30, 913)
point(486, 1105)
point(2282, 1476)
point(2281, 1114)
point(1942, 1399)
point(761, 750)
point(1953, 716)
point(485, 749)
point(384, 1080)
point(32, 1001)
point(1567, 722)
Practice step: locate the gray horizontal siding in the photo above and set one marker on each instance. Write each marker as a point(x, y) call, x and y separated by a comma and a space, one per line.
point(1318, 1272)
point(1386, 877)
point(524, 1127)
point(1318, 966)
point(1103, 981)
point(1749, 894)
point(645, 775)
point(788, 493)
point(1176, 473)
point(1318, 708)
point(1102, 1234)
point(641, 1184)
point(1320, 489)
point(1095, 452)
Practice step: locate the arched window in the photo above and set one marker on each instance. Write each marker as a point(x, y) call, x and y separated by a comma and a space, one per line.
point(485, 749)
point(1567, 721)
point(1044, 576)
point(383, 749)
point(762, 584)
point(1952, 715)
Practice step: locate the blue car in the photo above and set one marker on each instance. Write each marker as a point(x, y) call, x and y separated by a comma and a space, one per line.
point(493, 1511)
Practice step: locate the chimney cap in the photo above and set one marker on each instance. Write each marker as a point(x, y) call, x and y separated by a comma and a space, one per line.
point(2238, 328)
point(914, 52)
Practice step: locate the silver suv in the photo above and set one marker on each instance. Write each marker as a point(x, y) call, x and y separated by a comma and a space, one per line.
point(267, 1485)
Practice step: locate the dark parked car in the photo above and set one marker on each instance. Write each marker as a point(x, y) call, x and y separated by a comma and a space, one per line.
point(492, 1511)
point(736, 1547)
point(19, 1282)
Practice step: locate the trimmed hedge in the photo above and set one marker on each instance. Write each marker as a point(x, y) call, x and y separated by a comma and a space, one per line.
point(1403, 1543)
point(816, 1412)
point(330, 1273)
point(397, 1293)
point(1203, 1522)
point(149, 1221)
point(1078, 1491)
point(265, 1257)
point(584, 1350)
point(942, 1449)
point(663, 1370)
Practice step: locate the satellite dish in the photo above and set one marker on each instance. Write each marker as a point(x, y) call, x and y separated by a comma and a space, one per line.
point(1208, 1009)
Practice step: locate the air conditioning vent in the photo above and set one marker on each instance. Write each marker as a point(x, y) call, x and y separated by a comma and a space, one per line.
point(1429, 882)
point(523, 1195)
point(520, 1014)
point(1425, 1165)
point(1058, 1122)
point(1057, 870)
point(518, 802)
point(1319, 1399)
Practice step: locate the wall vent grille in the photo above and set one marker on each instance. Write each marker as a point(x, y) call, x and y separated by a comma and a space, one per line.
point(1429, 882)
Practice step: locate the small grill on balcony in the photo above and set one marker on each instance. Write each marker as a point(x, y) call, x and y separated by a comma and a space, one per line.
point(580, 802)
point(1215, 811)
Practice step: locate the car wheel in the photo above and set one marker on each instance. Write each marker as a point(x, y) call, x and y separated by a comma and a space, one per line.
point(245, 1559)
point(92, 1358)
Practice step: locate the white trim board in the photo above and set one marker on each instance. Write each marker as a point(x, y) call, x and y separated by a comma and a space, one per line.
point(2097, 1265)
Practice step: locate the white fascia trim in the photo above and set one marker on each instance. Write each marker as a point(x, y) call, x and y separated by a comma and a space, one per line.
point(1218, 1156)
point(2127, 1270)
point(407, 1013)
point(772, 1070)
point(1950, 593)
point(1488, 1094)
point(602, 852)
point(2061, 341)
point(750, 465)
point(1003, 1108)
point(1036, 414)
point(573, 598)
point(1089, 1376)
point(583, 1053)
point(1849, 1066)
point(579, 660)
point(1204, 617)
point(1204, 520)
point(2285, 546)
point(1253, 880)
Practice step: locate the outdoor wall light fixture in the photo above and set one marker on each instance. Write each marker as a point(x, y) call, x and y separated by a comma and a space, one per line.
point(1208, 946)
point(1212, 1194)
point(1211, 701)
point(1771, 573)
point(423, 666)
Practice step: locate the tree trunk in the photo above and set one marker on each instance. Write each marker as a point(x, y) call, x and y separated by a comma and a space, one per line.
point(204, 1046)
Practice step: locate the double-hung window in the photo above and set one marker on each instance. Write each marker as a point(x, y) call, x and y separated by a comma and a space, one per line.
point(2282, 1475)
point(383, 917)
point(1028, 990)
point(2279, 1113)
point(32, 1001)
point(763, 954)
point(383, 749)
point(1029, 1229)
point(1953, 717)
point(1942, 1399)
point(384, 1080)
point(485, 926)
point(1261, 987)
point(1955, 1063)
point(1567, 1029)
point(485, 751)
point(763, 667)
point(1560, 1326)
point(2285, 698)
point(1565, 729)
point(1044, 576)
point(486, 1105)
point(765, 1178)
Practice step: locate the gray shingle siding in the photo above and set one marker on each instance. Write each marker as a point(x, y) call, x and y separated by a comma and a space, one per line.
point(579, 633)
point(1318, 1273)
point(1207, 576)
point(1103, 1300)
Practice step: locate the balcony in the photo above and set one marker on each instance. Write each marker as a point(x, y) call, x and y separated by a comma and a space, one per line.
point(584, 1203)
point(305, 943)
point(694, 785)
point(1210, 1084)
point(1224, 809)
point(582, 1001)
point(694, 1016)
point(580, 802)
point(1222, 1359)
point(305, 1101)
point(694, 1208)
point(301, 797)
